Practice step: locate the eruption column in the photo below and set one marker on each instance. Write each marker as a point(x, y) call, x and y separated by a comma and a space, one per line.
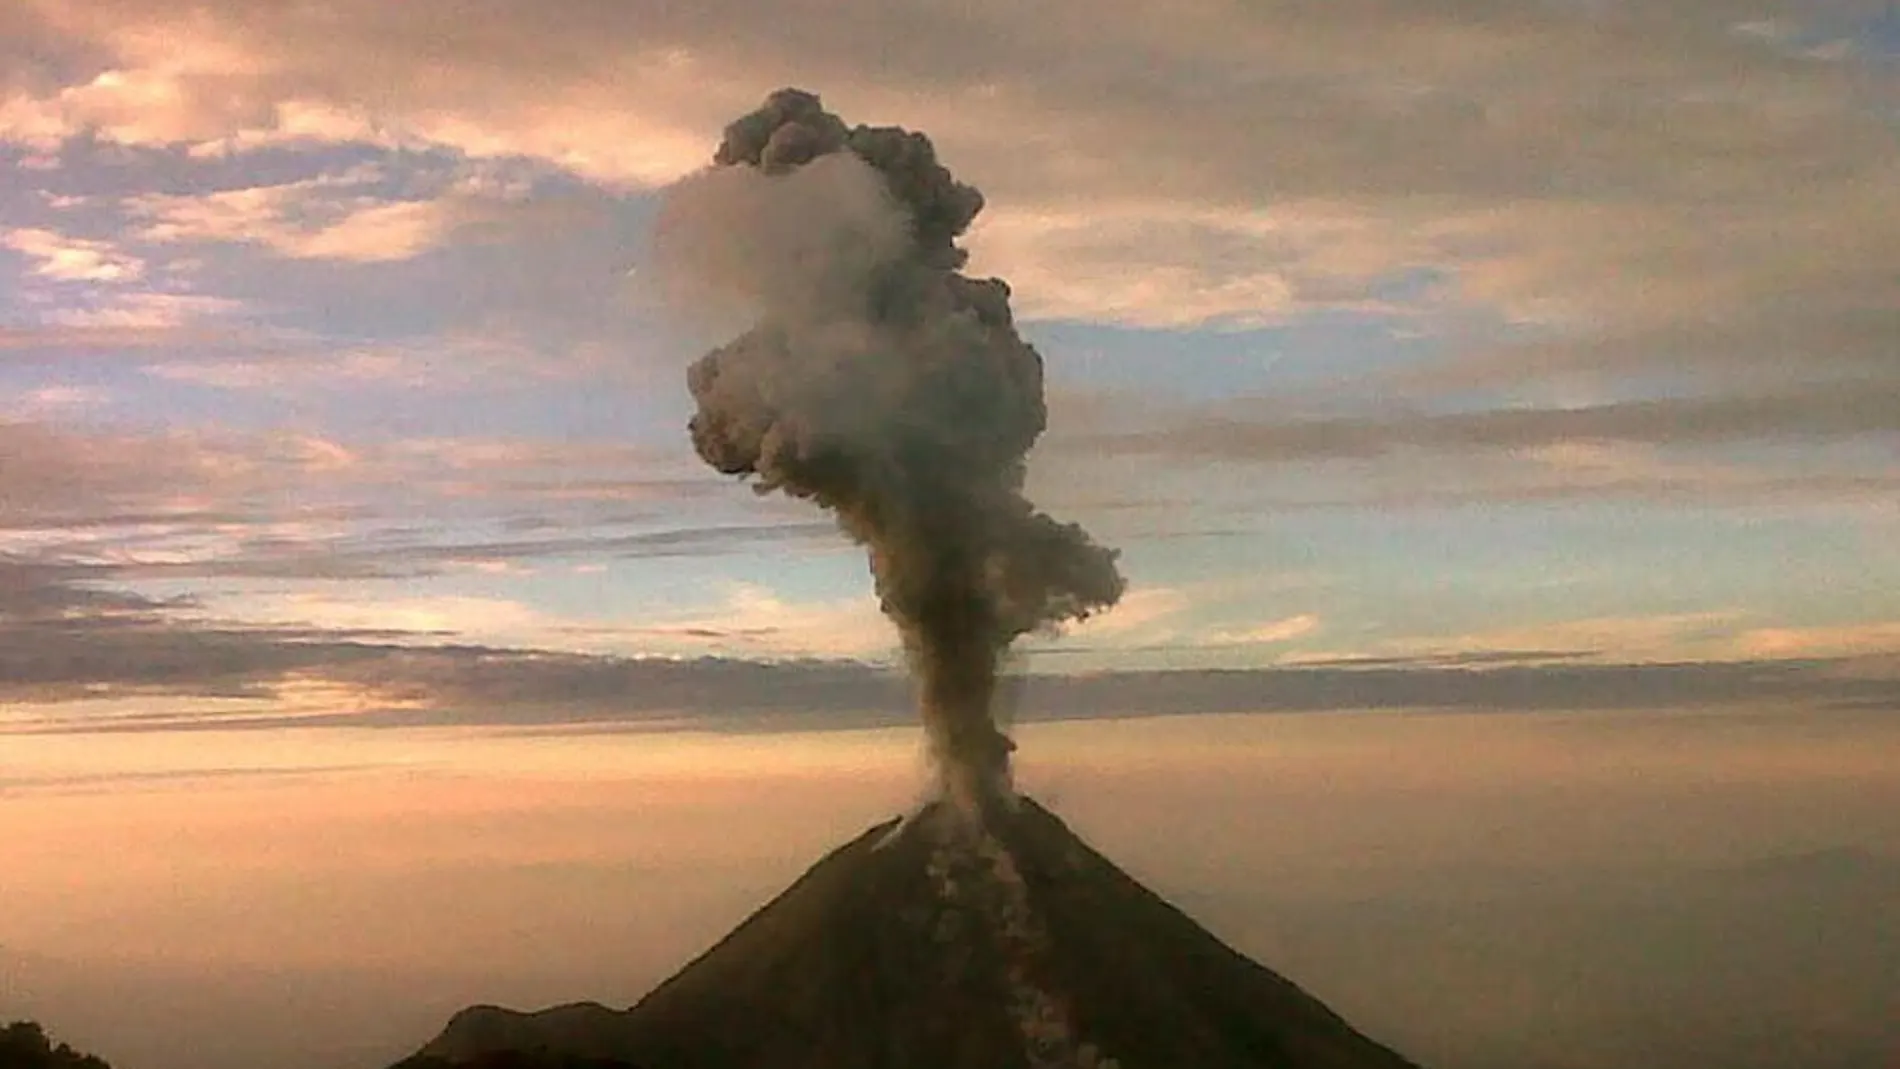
point(884, 385)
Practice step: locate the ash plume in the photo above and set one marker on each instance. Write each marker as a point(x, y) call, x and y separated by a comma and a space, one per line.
point(881, 383)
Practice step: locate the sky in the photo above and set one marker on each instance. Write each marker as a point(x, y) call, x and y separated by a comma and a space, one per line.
point(1433, 362)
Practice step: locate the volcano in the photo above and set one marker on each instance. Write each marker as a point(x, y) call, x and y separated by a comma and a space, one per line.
point(944, 941)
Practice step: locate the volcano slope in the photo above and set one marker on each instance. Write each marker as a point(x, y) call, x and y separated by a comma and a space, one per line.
point(942, 942)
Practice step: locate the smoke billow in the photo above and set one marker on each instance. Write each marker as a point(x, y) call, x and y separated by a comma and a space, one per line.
point(884, 385)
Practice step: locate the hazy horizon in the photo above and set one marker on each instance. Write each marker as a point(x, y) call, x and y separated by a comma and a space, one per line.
point(1589, 889)
point(1494, 407)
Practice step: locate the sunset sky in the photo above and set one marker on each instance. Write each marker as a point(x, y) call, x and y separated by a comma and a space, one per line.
point(1492, 358)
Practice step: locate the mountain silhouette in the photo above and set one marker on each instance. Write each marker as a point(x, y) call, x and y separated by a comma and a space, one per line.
point(940, 942)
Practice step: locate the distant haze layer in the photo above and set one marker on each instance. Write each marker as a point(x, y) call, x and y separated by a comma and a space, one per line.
point(1605, 890)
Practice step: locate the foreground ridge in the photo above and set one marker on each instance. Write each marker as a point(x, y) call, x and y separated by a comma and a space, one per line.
point(944, 942)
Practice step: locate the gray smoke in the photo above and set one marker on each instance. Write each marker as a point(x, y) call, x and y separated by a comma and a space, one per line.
point(882, 384)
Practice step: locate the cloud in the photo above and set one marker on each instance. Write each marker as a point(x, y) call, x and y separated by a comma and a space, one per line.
point(135, 319)
point(69, 640)
point(377, 547)
point(1844, 640)
point(1273, 631)
point(1626, 639)
point(1226, 432)
point(1224, 470)
point(1157, 264)
point(67, 259)
point(314, 219)
point(63, 636)
point(753, 621)
point(1815, 444)
point(179, 507)
point(50, 401)
point(1599, 165)
point(135, 327)
point(299, 367)
point(53, 476)
point(71, 633)
point(1683, 638)
point(37, 591)
point(1686, 228)
point(1175, 619)
point(464, 617)
point(1792, 339)
point(276, 681)
point(72, 626)
point(238, 76)
point(61, 481)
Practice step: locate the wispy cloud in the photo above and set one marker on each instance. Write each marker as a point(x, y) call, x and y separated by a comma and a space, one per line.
point(318, 219)
point(1161, 264)
point(1815, 445)
point(440, 365)
point(53, 401)
point(1628, 639)
point(753, 621)
point(1845, 640)
point(68, 259)
point(1556, 433)
point(1270, 632)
